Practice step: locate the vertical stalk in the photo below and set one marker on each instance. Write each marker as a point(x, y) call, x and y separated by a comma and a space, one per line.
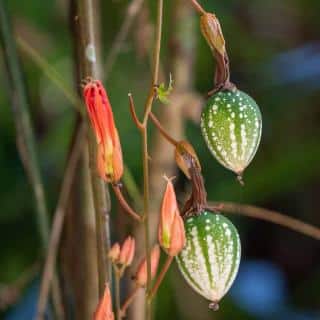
point(145, 155)
point(86, 41)
point(117, 277)
point(26, 141)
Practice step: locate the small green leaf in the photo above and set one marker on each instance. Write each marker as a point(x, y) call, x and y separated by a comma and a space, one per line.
point(163, 92)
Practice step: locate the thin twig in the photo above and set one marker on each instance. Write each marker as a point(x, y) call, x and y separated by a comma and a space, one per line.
point(197, 7)
point(58, 221)
point(133, 113)
point(145, 157)
point(156, 62)
point(132, 10)
point(124, 204)
point(128, 301)
point(270, 216)
point(157, 123)
point(117, 277)
point(158, 282)
point(51, 73)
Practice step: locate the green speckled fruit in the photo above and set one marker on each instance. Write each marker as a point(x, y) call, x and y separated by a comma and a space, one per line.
point(210, 260)
point(231, 125)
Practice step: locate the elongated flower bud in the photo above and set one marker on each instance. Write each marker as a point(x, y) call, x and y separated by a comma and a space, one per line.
point(127, 251)
point(211, 30)
point(104, 308)
point(114, 253)
point(109, 154)
point(141, 275)
point(171, 233)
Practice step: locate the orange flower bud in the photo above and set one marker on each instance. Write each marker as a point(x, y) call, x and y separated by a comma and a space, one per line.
point(211, 30)
point(184, 153)
point(109, 154)
point(104, 308)
point(171, 232)
point(141, 275)
point(114, 252)
point(127, 251)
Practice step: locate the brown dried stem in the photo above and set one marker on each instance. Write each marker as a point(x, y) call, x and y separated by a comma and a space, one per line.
point(268, 215)
point(86, 13)
point(57, 223)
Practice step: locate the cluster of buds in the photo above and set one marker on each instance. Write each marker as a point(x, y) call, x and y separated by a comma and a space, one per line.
point(171, 231)
point(109, 153)
point(104, 308)
point(123, 256)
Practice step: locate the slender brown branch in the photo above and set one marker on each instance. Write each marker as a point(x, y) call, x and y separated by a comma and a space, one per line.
point(87, 43)
point(156, 62)
point(158, 282)
point(124, 204)
point(132, 10)
point(270, 216)
point(197, 6)
point(58, 222)
point(128, 301)
point(117, 276)
point(157, 123)
point(133, 113)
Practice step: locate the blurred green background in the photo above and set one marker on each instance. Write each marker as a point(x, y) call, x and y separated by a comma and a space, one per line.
point(274, 49)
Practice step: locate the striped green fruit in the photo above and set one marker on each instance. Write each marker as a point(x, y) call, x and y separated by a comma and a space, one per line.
point(210, 260)
point(231, 125)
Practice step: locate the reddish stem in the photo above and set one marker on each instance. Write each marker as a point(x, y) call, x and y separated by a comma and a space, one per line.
point(133, 113)
point(128, 301)
point(163, 272)
point(157, 123)
point(124, 204)
point(197, 6)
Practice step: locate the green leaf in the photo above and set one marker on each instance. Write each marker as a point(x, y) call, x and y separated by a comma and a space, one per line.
point(163, 92)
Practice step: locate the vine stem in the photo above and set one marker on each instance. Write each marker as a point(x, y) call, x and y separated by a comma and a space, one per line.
point(145, 155)
point(267, 215)
point(124, 204)
point(197, 7)
point(161, 129)
point(57, 223)
point(128, 300)
point(117, 276)
point(160, 278)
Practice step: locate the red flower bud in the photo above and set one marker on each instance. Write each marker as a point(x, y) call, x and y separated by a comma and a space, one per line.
point(141, 275)
point(127, 251)
point(114, 252)
point(171, 232)
point(104, 308)
point(109, 154)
